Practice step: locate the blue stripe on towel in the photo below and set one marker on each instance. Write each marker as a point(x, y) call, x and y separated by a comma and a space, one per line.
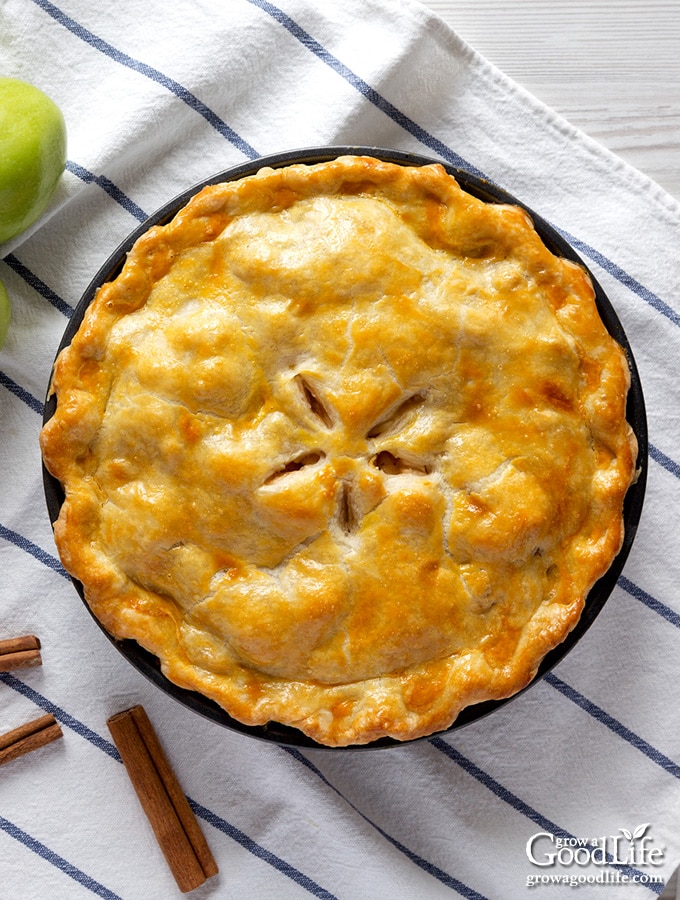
point(426, 866)
point(623, 277)
point(149, 72)
point(62, 864)
point(665, 461)
point(38, 285)
point(518, 804)
point(665, 611)
point(21, 393)
point(60, 714)
point(364, 88)
point(29, 547)
point(109, 187)
point(613, 724)
point(260, 852)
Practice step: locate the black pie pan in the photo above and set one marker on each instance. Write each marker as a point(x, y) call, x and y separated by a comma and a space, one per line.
point(147, 664)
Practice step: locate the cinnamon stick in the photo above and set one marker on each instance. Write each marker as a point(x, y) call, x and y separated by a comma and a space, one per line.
point(29, 737)
point(162, 798)
point(18, 652)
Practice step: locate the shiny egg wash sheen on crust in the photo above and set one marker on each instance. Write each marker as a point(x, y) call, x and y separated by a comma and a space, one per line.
point(344, 447)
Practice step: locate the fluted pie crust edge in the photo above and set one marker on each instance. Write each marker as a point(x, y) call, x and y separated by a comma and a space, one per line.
point(344, 446)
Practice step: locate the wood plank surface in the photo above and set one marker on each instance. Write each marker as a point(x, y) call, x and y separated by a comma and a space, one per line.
point(612, 68)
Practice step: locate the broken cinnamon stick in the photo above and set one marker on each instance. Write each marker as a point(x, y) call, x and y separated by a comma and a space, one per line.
point(29, 737)
point(162, 798)
point(18, 652)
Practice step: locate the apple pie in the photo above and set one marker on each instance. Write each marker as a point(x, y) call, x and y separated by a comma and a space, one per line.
point(344, 446)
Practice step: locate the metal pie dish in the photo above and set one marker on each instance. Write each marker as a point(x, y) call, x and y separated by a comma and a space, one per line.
point(148, 664)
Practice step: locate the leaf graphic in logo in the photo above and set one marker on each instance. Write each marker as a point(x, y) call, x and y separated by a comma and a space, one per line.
point(626, 833)
point(640, 830)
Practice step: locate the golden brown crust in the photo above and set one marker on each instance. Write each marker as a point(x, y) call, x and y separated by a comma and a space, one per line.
point(344, 447)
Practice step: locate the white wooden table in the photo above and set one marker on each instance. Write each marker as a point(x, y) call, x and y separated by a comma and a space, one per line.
point(611, 67)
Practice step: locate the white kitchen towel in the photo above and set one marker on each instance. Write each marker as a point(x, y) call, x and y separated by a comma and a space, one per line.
point(575, 781)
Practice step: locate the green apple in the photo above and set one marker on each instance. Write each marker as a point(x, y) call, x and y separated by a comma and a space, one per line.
point(4, 313)
point(32, 154)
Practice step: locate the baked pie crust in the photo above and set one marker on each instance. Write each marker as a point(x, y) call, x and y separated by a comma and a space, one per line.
point(344, 446)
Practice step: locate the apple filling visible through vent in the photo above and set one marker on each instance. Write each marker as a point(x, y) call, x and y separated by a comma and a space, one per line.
point(344, 446)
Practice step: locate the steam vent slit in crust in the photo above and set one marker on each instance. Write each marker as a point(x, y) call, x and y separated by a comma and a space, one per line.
point(344, 446)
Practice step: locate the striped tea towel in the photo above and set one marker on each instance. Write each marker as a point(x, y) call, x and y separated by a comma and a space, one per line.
point(577, 780)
